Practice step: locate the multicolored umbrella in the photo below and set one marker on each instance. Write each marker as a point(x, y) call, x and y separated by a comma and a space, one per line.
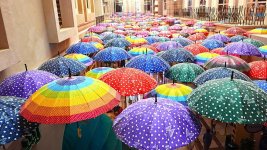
point(201, 30)
point(230, 100)
point(242, 48)
point(169, 45)
point(202, 58)
point(175, 125)
point(220, 37)
point(184, 72)
point(136, 41)
point(196, 49)
point(148, 64)
point(178, 55)
point(235, 31)
point(258, 31)
point(151, 47)
point(197, 37)
point(256, 43)
point(219, 73)
point(227, 61)
point(99, 46)
point(258, 70)
point(13, 126)
point(92, 39)
point(69, 100)
point(87, 61)
point(82, 48)
point(212, 44)
point(98, 72)
point(129, 81)
point(112, 54)
point(262, 84)
point(118, 42)
point(237, 38)
point(136, 51)
point(183, 41)
point(263, 50)
point(221, 51)
point(60, 66)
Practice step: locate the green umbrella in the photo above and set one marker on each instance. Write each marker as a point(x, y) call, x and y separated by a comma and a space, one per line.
point(184, 72)
point(230, 100)
point(256, 43)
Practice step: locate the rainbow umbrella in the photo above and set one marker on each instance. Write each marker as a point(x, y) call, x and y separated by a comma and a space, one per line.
point(202, 58)
point(69, 100)
point(140, 50)
point(136, 40)
point(263, 50)
point(258, 31)
point(97, 45)
point(87, 61)
point(98, 72)
point(201, 30)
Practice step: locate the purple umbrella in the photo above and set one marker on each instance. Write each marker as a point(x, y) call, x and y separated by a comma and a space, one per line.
point(169, 45)
point(242, 48)
point(157, 124)
point(25, 83)
point(220, 37)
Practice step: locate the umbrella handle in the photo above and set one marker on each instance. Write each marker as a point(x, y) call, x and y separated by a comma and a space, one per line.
point(69, 72)
point(232, 75)
point(79, 130)
point(156, 98)
point(26, 68)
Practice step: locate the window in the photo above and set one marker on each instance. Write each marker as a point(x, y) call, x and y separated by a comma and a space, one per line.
point(202, 3)
point(223, 4)
point(256, 3)
point(147, 5)
point(165, 4)
point(118, 5)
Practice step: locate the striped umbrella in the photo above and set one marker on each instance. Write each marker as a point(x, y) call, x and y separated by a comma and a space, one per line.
point(202, 58)
point(140, 50)
point(98, 72)
point(69, 100)
point(258, 31)
point(99, 46)
point(82, 48)
point(92, 39)
point(263, 50)
point(87, 61)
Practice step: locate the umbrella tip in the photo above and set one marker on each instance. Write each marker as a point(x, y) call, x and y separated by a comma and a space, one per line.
point(225, 64)
point(26, 67)
point(79, 132)
point(232, 75)
point(69, 72)
point(58, 53)
point(156, 98)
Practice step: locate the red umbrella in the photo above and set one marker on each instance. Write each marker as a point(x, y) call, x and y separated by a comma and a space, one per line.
point(197, 36)
point(167, 34)
point(92, 39)
point(221, 52)
point(258, 70)
point(129, 81)
point(190, 22)
point(196, 49)
point(235, 31)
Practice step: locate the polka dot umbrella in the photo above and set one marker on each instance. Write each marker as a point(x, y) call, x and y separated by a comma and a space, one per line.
point(256, 43)
point(237, 38)
point(202, 58)
point(156, 124)
point(129, 81)
point(218, 73)
point(13, 126)
point(118, 42)
point(60, 66)
point(69, 100)
point(148, 63)
point(98, 72)
point(87, 61)
point(258, 70)
point(230, 100)
point(242, 48)
point(196, 49)
point(178, 55)
point(82, 48)
point(183, 41)
point(152, 39)
point(169, 45)
point(219, 37)
point(112, 54)
point(261, 84)
point(212, 44)
point(235, 31)
point(184, 72)
point(111, 36)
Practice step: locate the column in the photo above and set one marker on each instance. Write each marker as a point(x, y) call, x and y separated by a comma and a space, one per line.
point(208, 3)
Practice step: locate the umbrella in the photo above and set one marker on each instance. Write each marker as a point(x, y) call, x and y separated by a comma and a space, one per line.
point(237, 38)
point(242, 48)
point(190, 22)
point(69, 100)
point(136, 51)
point(111, 36)
point(152, 39)
point(227, 61)
point(136, 40)
point(25, 83)
point(175, 27)
point(148, 63)
point(156, 125)
point(153, 33)
point(165, 34)
point(258, 70)
point(221, 51)
point(92, 39)
point(258, 31)
point(220, 37)
point(151, 47)
point(82, 48)
point(256, 43)
point(129, 81)
point(261, 84)
point(13, 126)
point(230, 100)
point(218, 73)
point(87, 61)
point(235, 31)
point(99, 46)
point(202, 58)
point(212, 44)
point(183, 41)
point(142, 33)
point(97, 29)
point(197, 37)
point(164, 39)
point(60, 66)
point(263, 50)
point(120, 32)
point(196, 49)
point(118, 42)
point(184, 72)
point(112, 54)
point(188, 31)
point(98, 72)
point(201, 30)
point(168, 46)
point(178, 55)
point(209, 24)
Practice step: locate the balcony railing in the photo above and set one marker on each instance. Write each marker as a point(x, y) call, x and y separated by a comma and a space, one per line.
point(230, 15)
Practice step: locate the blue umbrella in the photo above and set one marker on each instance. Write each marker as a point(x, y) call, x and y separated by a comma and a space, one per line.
point(152, 39)
point(12, 125)
point(118, 42)
point(183, 41)
point(219, 37)
point(261, 84)
point(82, 48)
point(218, 73)
point(148, 63)
point(212, 44)
point(60, 66)
point(164, 39)
point(111, 36)
point(178, 55)
point(112, 54)
point(237, 38)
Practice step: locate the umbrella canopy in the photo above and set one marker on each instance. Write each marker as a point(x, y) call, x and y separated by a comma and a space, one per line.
point(164, 39)
point(136, 51)
point(209, 24)
point(201, 30)
point(221, 51)
point(98, 72)
point(242, 48)
point(197, 37)
point(152, 39)
point(230, 100)
point(227, 61)
point(219, 73)
point(212, 43)
point(97, 29)
point(69, 100)
point(188, 31)
point(196, 49)
point(256, 43)
point(235, 31)
point(111, 36)
point(25, 83)
point(183, 41)
point(82, 48)
point(148, 64)
point(99, 46)
point(60, 66)
point(13, 126)
point(258, 31)
point(202, 58)
point(184, 72)
point(258, 70)
point(87, 61)
point(175, 125)
point(220, 37)
point(263, 50)
point(92, 39)
point(118, 42)
point(136, 40)
point(237, 38)
point(262, 84)
point(169, 45)
point(129, 81)
point(178, 55)
point(112, 54)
